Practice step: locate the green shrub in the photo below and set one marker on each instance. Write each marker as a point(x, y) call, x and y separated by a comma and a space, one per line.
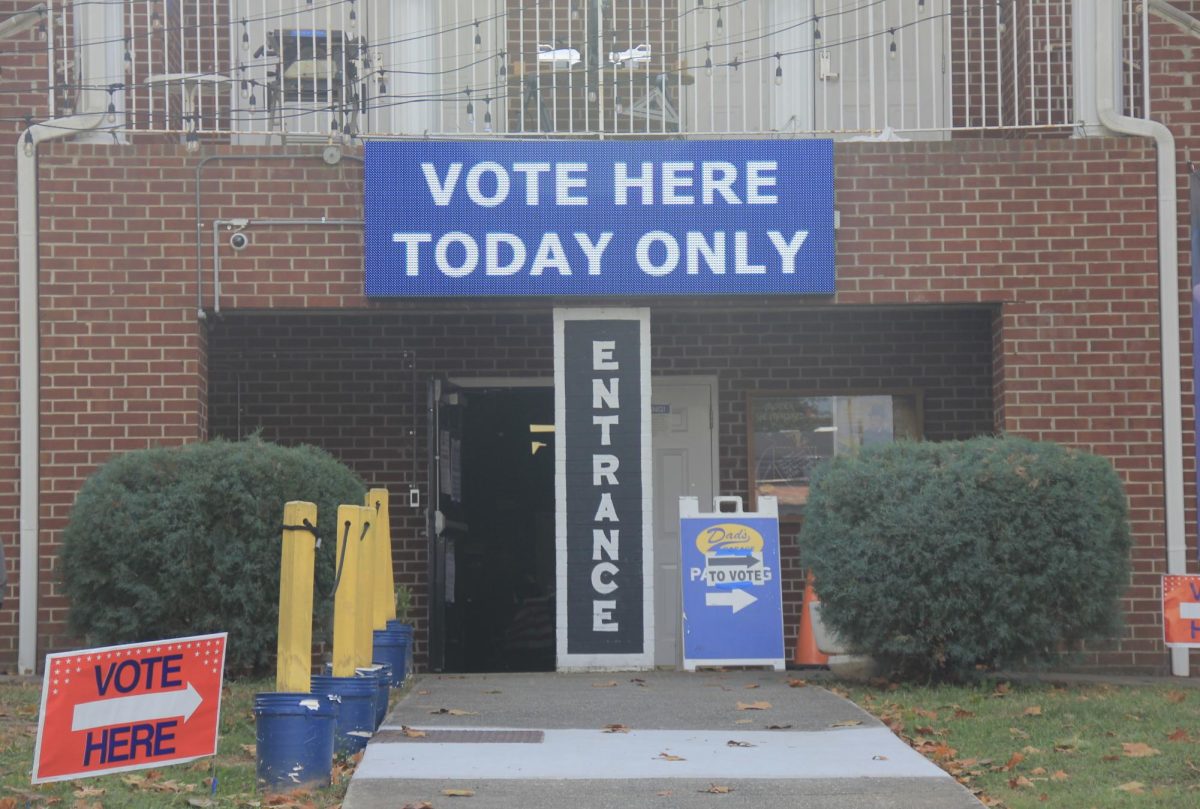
point(938, 557)
point(170, 542)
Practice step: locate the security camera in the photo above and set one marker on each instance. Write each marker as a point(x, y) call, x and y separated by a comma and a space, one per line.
point(239, 240)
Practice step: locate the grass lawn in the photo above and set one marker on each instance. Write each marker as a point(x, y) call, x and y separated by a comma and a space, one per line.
point(179, 785)
point(1021, 746)
point(1042, 745)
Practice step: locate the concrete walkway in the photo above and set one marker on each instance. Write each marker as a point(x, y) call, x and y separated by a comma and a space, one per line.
point(540, 740)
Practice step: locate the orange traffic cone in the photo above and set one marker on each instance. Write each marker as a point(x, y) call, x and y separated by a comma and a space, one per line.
point(807, 653)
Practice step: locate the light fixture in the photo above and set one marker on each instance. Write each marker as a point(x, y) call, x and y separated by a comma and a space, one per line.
point(478, 37)
point(28, 145)
point(708, 60)
point(778, 69)
point(245, 37)
point(892, 44)
point(816, 28)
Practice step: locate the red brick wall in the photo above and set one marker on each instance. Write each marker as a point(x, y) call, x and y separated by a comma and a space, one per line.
point(355, 383)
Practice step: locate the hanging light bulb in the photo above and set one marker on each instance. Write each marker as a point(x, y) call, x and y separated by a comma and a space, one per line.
point(816, 28)
point(128, 58)
point(41, 31)
point(574, 9)
point(245, 37)
point(470, 107)
point(156, 16)
point(353, 18)
point(487, 115)
point(503, 56)
point(592, 96)
point(778, 69)
point(382, 87)
point(720, 19)
point(708, 60)
point(920, 5)
point(253, 98)
point(245, 88)
point(892, 44)
point(27, 147)
point(478, 37)
point(192, 142)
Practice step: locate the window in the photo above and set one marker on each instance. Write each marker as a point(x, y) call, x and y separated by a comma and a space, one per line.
point(789, 434)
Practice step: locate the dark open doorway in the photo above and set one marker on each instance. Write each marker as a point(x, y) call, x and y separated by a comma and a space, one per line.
point(502, 614)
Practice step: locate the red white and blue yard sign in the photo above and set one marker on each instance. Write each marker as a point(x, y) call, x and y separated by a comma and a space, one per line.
point(1181, 612)
point(129, 707)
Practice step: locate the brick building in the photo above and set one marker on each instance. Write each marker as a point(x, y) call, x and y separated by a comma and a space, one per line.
point(998, 255)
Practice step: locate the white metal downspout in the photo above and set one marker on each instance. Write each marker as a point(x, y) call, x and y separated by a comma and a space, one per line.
point(93, 18)
point(1108, 76)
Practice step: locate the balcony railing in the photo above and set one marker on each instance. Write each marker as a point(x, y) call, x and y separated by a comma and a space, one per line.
point(315, 69)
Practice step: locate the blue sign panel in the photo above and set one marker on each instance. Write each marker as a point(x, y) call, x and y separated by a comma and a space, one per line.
point(599, 218)
point(732, 599)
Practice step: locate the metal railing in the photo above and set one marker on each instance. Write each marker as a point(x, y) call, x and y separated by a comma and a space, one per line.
point(261, 69)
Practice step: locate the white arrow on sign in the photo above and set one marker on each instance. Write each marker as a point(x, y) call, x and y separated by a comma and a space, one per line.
point(738, 599)
point(139, 708)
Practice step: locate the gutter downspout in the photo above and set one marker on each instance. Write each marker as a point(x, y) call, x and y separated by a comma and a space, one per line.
point(1108, 78)
point(1181, 18)
point(90, 18)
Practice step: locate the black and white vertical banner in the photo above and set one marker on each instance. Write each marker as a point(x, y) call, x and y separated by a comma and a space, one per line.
point(603, 478)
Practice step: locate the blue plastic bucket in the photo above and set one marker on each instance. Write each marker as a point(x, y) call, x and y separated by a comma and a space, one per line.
point(392, 648)
point(407, 631)
point(381, 675)
point(294, 741)
point(355, 699)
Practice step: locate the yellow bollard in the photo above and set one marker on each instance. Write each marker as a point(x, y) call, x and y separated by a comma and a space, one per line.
point(346, 599)
point(294, 662)
point(364, 646)
point(385, 585)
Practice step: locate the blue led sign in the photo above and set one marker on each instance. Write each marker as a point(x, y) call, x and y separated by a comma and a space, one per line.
point(599, 218)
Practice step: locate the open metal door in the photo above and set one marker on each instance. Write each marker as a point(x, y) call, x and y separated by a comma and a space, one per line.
point(446, 515)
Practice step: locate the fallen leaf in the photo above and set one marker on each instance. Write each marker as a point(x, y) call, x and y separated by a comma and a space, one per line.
point(959, 713)
point(1176, 696)
point(1139, 750)
point(89, 792)
point(1013, 761)
point(617, 728)
point(642, 683)
point(1059, 775)
point(750, 685)
point(1038, 771)
point(1020, 782)
point(879, 758)
point(411, 733)
point(8, 803)
point(424, 692)
point(1180, 735)
point(669, 757)
point(201, 803)
point(458, 793)
point(1020, 734)
point(1065, 747)
point(925, 713)
point(1133, 787)
point(421, 805)
point(664, 793)
point(761, 705)
point(797, 683)
point(1110, 758)
point(1001, 690)
point(455, 712)
point(846, 723)
point(1032, 710)
point(735, 743)
point(718, 789)
point(743, 721)
point(1030, 750)
point(494, 691)
point(779, 727)
point(609, 684)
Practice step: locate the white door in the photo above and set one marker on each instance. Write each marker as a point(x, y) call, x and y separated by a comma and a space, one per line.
point(684, 465)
